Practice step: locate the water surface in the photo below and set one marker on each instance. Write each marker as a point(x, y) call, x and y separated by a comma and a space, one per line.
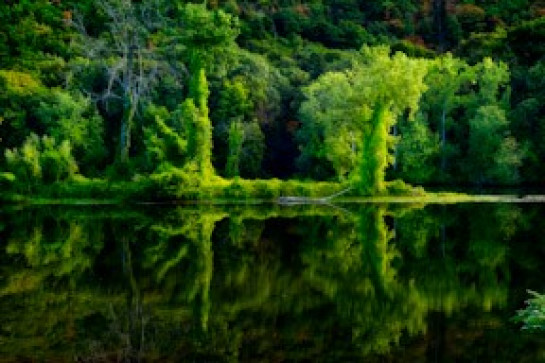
point(225, 284)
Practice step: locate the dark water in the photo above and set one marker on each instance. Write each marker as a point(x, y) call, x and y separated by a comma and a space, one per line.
point(317, 284)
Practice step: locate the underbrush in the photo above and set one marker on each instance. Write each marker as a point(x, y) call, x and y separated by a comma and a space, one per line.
point(181, 186)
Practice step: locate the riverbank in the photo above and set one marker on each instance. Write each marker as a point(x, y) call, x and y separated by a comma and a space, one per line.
point(180, 189)
point(238, 191)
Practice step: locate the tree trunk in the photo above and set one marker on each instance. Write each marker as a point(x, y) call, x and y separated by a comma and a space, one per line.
point(129, 110)
point(439, 23)
point(374, 160)
point(396, 149)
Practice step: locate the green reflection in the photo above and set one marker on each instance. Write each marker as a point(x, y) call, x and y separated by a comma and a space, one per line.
point(261, 283)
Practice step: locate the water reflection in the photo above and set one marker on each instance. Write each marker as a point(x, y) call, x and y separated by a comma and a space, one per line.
point(268, 283)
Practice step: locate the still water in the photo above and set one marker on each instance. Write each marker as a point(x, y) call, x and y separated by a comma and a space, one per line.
point(362, 283)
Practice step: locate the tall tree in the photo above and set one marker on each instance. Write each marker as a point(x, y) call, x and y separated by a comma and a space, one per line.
point(236, 138)
point(348, 116)
point(201, 142)
point(142, 43)
point(131, 66)
point(445, 78)
point(494, 155)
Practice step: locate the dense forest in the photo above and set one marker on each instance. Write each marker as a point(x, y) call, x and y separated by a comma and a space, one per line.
point(431, 92)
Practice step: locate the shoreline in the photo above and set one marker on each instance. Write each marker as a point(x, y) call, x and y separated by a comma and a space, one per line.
point(429, 198)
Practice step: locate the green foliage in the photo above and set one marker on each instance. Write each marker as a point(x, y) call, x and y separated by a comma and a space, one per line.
point(199, 92)
point(518, 37)
point(253, 150)
point(533, 316)
point(218, 270)
point(7, 179)
point(21, 93)
point(330, 127)
point(464, 110)
point(233, 100)
point(347, 116)
point(153, 77)
point(446, 77)
point(236, 139)
point(374, 155)
point(413, 50)
point(398, 79)
point(31, 33)
point(253, 96)
point(205, 34)
point(201, 134)
point(417, 151)
point(67, 117)
point(41, 160)
point(494, 154)
point(165, 138)
point(487, 44)
point(30, 107)
point(19, 83)
point(399, 187)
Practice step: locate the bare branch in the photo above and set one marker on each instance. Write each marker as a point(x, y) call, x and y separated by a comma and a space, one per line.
point(130, 66)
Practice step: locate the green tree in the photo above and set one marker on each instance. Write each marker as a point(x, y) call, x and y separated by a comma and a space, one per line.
point(201, 136)
point(236, 139)
point(331, 129)
point(417, 151)
point(494, 156)
point(259, 95)
point(72, 117)
point(351, 114)
point(375, 156)
point(165, 138)
point(233, 101)
point(207, 36)
point(138, 48)
point(129, 67)
point(466, 108)
point(253, 150)
point(21, 93)
point(41, 160)
point(445, 78)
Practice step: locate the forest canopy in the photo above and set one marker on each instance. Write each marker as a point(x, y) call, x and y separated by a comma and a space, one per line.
point(184, 93)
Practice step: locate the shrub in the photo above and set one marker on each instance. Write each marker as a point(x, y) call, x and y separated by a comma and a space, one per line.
point(399, 187)
point(41, 160)
point(238, 190)
point(267, 189)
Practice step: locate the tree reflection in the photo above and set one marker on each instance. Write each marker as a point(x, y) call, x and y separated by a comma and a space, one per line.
point(218, 283)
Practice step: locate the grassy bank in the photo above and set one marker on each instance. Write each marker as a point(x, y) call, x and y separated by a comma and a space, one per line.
point(162, 188)
point(171, 187)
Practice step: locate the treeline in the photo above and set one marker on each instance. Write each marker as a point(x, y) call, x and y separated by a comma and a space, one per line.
point(431, 92)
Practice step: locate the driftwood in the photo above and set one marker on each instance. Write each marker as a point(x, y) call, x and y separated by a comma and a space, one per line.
point(305, 200)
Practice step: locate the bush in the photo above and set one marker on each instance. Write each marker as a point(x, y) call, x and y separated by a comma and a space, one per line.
point(237, 190)
point(399, 187)
point(41, 161)
point(266, 189)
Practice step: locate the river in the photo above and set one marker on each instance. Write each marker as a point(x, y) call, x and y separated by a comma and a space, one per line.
point(268, 283)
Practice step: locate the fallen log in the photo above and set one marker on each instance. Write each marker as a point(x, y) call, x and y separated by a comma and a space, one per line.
point(291, 200)
point(300, 200)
